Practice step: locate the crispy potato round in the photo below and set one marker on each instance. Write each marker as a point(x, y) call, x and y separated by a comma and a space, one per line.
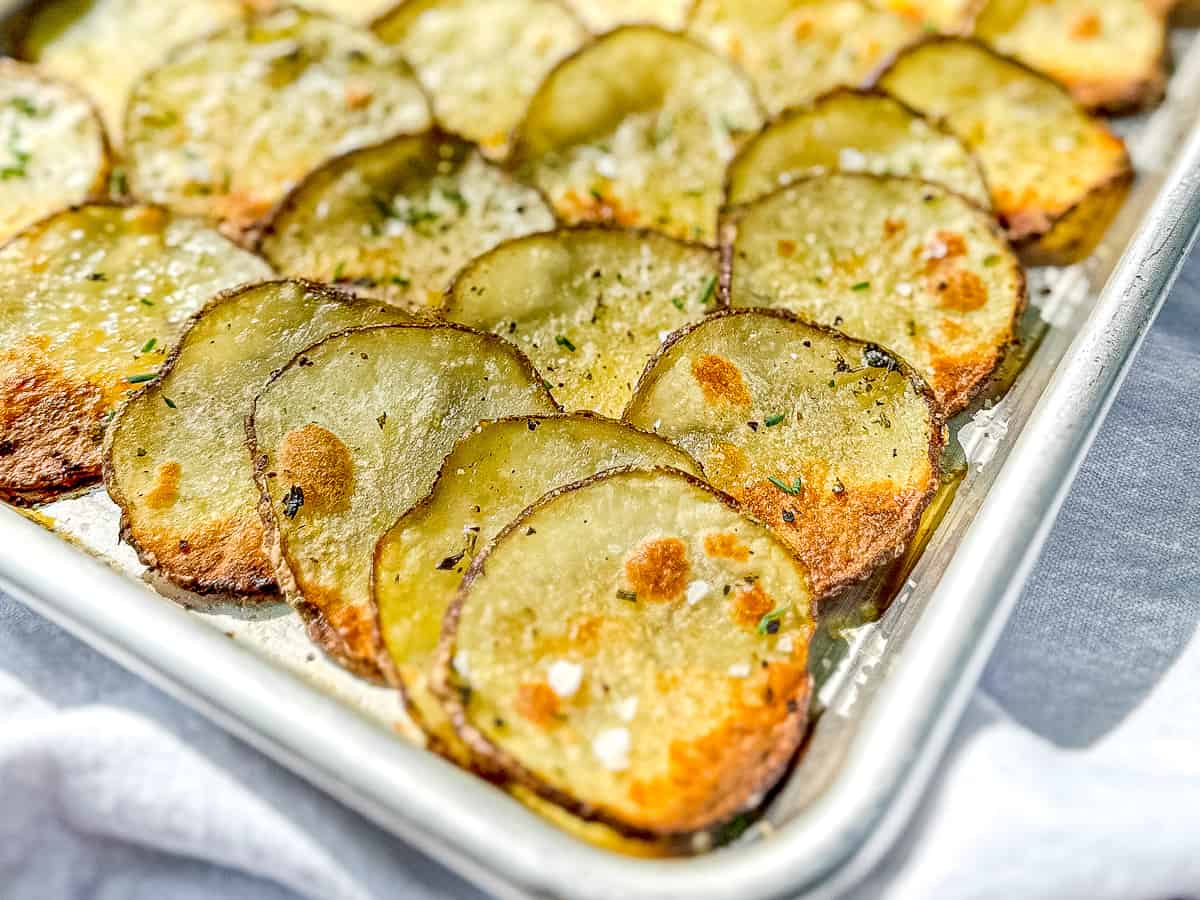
point(589, 306)
point(103, 46)
point(948, 16)
point(180, 472)
point(481, 60)
point(796, 50)
point(1057, 175)
point(348, 437)
point(1110, 55)
point(605, 15)
point(492, 474)
point(397, 220)
point(55, 153)
point(228, 124)
point(635, 650)
point(853, 131)
point(830, 441)
point(898, 262)
point(92, 300)
point(357, 12)
point(636, 129)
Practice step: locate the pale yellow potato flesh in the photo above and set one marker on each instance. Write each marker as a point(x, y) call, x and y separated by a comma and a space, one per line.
point(796, 50)
point(636, 130)
point(481, 60)
point(589, 306)
point(227, 125)
point(399, 219)
point(1110, 54)
point(826, 439)
point(349, 437)
point(54, 154)
point(604, 15)
point(949, 16)
point(181, 473)
point(104, 46)
point(92, 300)
point(902, 263)
point(853, 131)
point(1050, 166)
point(490, 477)
point(635, 650)
point(356, 12)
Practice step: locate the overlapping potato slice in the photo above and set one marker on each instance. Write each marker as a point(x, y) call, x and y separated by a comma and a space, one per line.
point(796, 50)
point(1057, 175)
point(397, 220)
point(589, 306)
point(949, 16)
point(349, 437)
point(898, 262)
point(636, 129)
point(103, 46)
point(830, 441)
point(180, 471)
point(635, 650)
point(604, 15)
point(481, 60)
point(228, 124)
point(359, 12)
point(91, 300)
point(1110, 54)
point(54, 152)
point(853, 131)
point(491, 476)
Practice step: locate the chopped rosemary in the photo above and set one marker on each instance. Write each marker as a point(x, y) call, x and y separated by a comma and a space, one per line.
point(149, 345)
point(794, 488)
point(709, 287)
point(627, 595)
point(677, 302)
point(142, 378)
point(861, 286)
point(564, 341)
point(774, 419)
point(769, 623)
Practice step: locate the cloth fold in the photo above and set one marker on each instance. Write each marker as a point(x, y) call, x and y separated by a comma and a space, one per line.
point(1075, 774)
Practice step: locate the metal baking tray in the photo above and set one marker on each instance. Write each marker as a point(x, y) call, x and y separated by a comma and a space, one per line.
point(890, 692)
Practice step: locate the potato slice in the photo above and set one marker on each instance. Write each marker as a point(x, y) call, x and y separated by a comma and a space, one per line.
point(635, 650)
point(949, 16)
point(357, 12)
point(636, 129)
point(830, 441)
point(103, 46)
point(796, 50)
point(490, 477)
point(481, 60)
point(92, 300)
point(228, 124)
point(1110, 54)
point(1057, 175)
point(898, 262)
point(180, 472)
point(55, 153)
point(605, 15)
point(853, 131)
point(397, 220)
point(348, 437)
point(589, 306)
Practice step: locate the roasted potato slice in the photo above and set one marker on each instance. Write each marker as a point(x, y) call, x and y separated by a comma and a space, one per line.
point(949, 16)
point(397, 220)
point(853, 131)
point(830, 441)
point(898, 262)
point(635, 650)
point(796, 50)
point(92, 300)
point(348, 437)
point(605, 15)
point(1110, 54)
point(357, 12)
point(103, 46)
point(488, 479)
point(55, 153)
point(589, 306)
point(228, 124)
point(1057, 175)
point(481, 60)
point(636, 129)
point(180, 472)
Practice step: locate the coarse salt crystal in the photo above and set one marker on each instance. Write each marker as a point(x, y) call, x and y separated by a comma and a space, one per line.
point(904, 289)
point(627, 708)
point(851, 159)
point(696, 591)
point(565, 678)
point(784, 644)
point(460, 663)
point(611, 747)
point(740, 670)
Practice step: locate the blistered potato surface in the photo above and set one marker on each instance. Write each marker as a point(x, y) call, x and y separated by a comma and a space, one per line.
point(637, 650)
point(91, 301)
point(823, 438)
point(181, 472)
point(603, 15)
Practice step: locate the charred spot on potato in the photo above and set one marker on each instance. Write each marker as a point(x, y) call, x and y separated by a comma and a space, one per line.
point(720, 380)
point(165, 491)
point(750, 604)
point(319, 466)
point(538, 703)
point(658, 569)
point(726, 546)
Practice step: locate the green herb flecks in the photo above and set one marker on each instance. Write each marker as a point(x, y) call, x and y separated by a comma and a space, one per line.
point(706, 294)
point(24, 106)
point(774, 419)
point(564, 341)
point(677, 302)
point(142, 378)
point(861, 286)
point(793, 489)
point(769, 623)
point(149, 345)
point(630, 596)
point(19, 167)
point(170, 403)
